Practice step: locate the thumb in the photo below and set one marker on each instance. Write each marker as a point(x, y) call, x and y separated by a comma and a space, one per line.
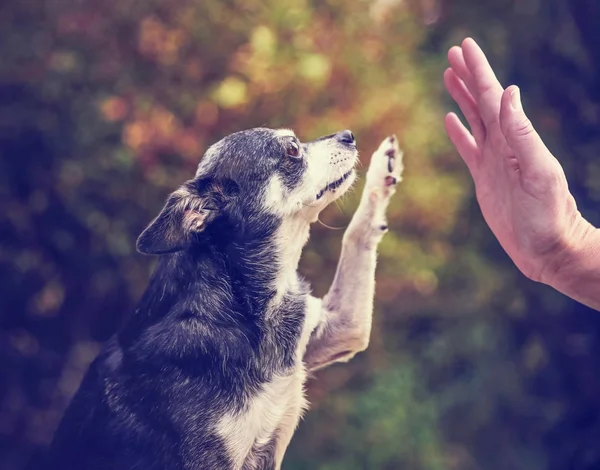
point(522, 138)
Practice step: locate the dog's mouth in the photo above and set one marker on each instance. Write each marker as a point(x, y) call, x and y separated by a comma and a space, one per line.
point(334, 185)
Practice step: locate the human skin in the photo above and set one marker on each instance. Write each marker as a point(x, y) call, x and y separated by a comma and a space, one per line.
point(520, 186)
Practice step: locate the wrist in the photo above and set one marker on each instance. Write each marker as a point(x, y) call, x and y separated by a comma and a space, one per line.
point(577, 260)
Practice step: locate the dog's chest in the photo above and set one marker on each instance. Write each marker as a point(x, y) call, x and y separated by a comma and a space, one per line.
point(271, 413)
point(273, 410)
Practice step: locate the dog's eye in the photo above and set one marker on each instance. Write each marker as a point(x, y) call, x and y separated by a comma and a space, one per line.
point(293, 150)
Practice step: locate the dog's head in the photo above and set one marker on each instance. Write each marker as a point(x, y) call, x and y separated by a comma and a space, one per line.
point(249, 175)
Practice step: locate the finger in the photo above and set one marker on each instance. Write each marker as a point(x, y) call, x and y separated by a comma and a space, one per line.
point(462, 140)
point(466, 103)
point(457, 62)
point(488, 90)
point(484, 78)
point(531, 152)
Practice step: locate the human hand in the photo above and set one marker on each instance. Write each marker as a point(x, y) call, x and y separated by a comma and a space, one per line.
point(521, 188)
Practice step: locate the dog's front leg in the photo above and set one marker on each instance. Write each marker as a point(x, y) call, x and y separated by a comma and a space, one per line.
point(347, 308)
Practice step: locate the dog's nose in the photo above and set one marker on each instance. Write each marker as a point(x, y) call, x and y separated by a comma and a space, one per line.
point(346, 137)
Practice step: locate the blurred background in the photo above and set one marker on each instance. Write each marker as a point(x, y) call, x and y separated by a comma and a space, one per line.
point(105, 107)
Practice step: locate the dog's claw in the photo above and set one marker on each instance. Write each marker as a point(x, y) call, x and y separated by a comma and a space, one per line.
point(383, 228)
point(391, 154)
point(390, 180)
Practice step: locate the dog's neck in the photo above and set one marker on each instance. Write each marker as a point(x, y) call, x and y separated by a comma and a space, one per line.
point(258, 272)
point(290, 239)
point(265, 266)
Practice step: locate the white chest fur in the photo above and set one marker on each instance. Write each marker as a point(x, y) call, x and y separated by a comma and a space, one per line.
point(275, 410)
point(277, 405)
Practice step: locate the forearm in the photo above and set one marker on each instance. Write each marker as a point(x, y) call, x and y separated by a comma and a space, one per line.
point(577, 274)
point(350, 298)
point(348, 306)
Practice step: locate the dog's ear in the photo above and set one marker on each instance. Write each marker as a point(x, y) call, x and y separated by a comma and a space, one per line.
point(187, 212)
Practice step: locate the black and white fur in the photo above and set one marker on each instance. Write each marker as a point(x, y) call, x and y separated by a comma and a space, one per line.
point(209, 372)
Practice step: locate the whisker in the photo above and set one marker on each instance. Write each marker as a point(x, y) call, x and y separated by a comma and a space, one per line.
point(329, 226)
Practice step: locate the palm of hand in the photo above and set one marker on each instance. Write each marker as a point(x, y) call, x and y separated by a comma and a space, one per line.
point(521, 188)
point(528, 213)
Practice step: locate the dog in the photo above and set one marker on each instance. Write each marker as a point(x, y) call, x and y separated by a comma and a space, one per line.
point(209, 371)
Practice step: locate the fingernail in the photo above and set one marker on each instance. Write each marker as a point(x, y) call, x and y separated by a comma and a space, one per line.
point(515, 99)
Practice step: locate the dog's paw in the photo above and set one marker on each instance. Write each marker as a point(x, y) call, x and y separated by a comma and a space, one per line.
point(385, 170)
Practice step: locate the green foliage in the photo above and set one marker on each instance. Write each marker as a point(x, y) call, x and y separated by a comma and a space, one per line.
point(390, 423)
